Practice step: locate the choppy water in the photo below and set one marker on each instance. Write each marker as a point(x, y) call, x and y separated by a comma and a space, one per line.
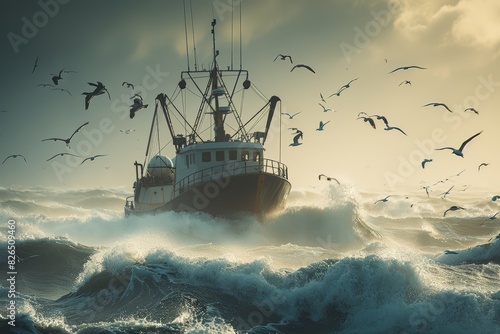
point(332, 262)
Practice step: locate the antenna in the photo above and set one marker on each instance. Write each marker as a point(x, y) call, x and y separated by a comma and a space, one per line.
point(241, 55)
point(232, 28)
point(194, 41)
point(186, 33)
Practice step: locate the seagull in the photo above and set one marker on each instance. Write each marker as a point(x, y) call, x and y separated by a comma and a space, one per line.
point(63, 90)
point(425, 161)
point(491, 218)
point(302, 65)
point(322, 125)
point(369, 120)
point(406, 68)
point(57, 77)
point(67, 141)
point(296, 130)
point(35, 65)
point(99, 90)
point(322, 98)
point(426, 190)
point(406, 82)
point(472, 109)
point(395, 128)
point(328, 178)
point(291, 116)
point(127, 131)
point(129, 85)
point(138, 105)
point(438, 104)
point(283, 57)
point(324, 108)
point(459, 173)
point(383, 199)
point(481, 165)
point(296, 139)
point(450, 252)
point(45, 85)
point(459, 151)
point(344, 87)
point(92, 158)
point(494, 198)
point(447, 192)
point(15, 156)
point(453, 208)
point(61, 154)
point(381, 118)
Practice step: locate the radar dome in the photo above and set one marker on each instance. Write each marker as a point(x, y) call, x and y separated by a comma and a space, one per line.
point(160, 166)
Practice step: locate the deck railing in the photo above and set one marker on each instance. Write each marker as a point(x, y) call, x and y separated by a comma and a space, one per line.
point(229, 169)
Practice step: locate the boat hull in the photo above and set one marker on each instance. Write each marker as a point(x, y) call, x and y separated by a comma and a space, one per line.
point(260, 194)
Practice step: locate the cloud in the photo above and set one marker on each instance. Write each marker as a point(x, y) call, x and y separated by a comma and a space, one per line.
point(466, 23)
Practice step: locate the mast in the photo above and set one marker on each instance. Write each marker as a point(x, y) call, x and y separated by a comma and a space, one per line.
point(220, 133)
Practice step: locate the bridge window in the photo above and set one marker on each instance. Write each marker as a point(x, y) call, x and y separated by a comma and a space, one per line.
point(244, 155)
point(233, 155)
point(256, 156)
point(206, 157)
point(219, 155)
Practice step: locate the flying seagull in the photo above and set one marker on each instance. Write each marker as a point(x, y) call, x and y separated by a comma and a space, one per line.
point(138, 105)
point(283, 57)
point(92, 158)
point(57, 77)
point(322, 98)
point(45, 85)
point(494, 198)
point(296, 139)
point(369, 120)
point(383, 199)
point(453, 208)
point(491, 218)
point(324, 108)
point(302, 65)
point(63, 90)
point(129, 85)
point(395, 128)
point(35, 65)
point(459, 151)
point(447, 192)
point(291, 116)
point(15, 156)
point(473, 110)
point(425, 161)
point(321, 125)
point(67, 140)
point(406, 68)
point(62, 154)
point(328, 178)
point(406, 82)
point(438, 104)
point(99, 90)
point(426, 190)
point(481, 165)
point(450, 252)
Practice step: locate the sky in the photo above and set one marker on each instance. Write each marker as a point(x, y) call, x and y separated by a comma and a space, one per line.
point(456, 41)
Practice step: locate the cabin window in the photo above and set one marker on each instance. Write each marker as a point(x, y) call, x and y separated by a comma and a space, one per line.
point(256, 156)
point(219, 155)
point(206, 157)
point(187, 161)
point(233, 155)
point(244, 155)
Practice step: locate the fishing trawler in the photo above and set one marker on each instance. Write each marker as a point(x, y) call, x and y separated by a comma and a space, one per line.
point(225, 175)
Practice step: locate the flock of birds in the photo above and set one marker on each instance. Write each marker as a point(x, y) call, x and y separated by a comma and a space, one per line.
point(372, 121)
point(57, 79)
